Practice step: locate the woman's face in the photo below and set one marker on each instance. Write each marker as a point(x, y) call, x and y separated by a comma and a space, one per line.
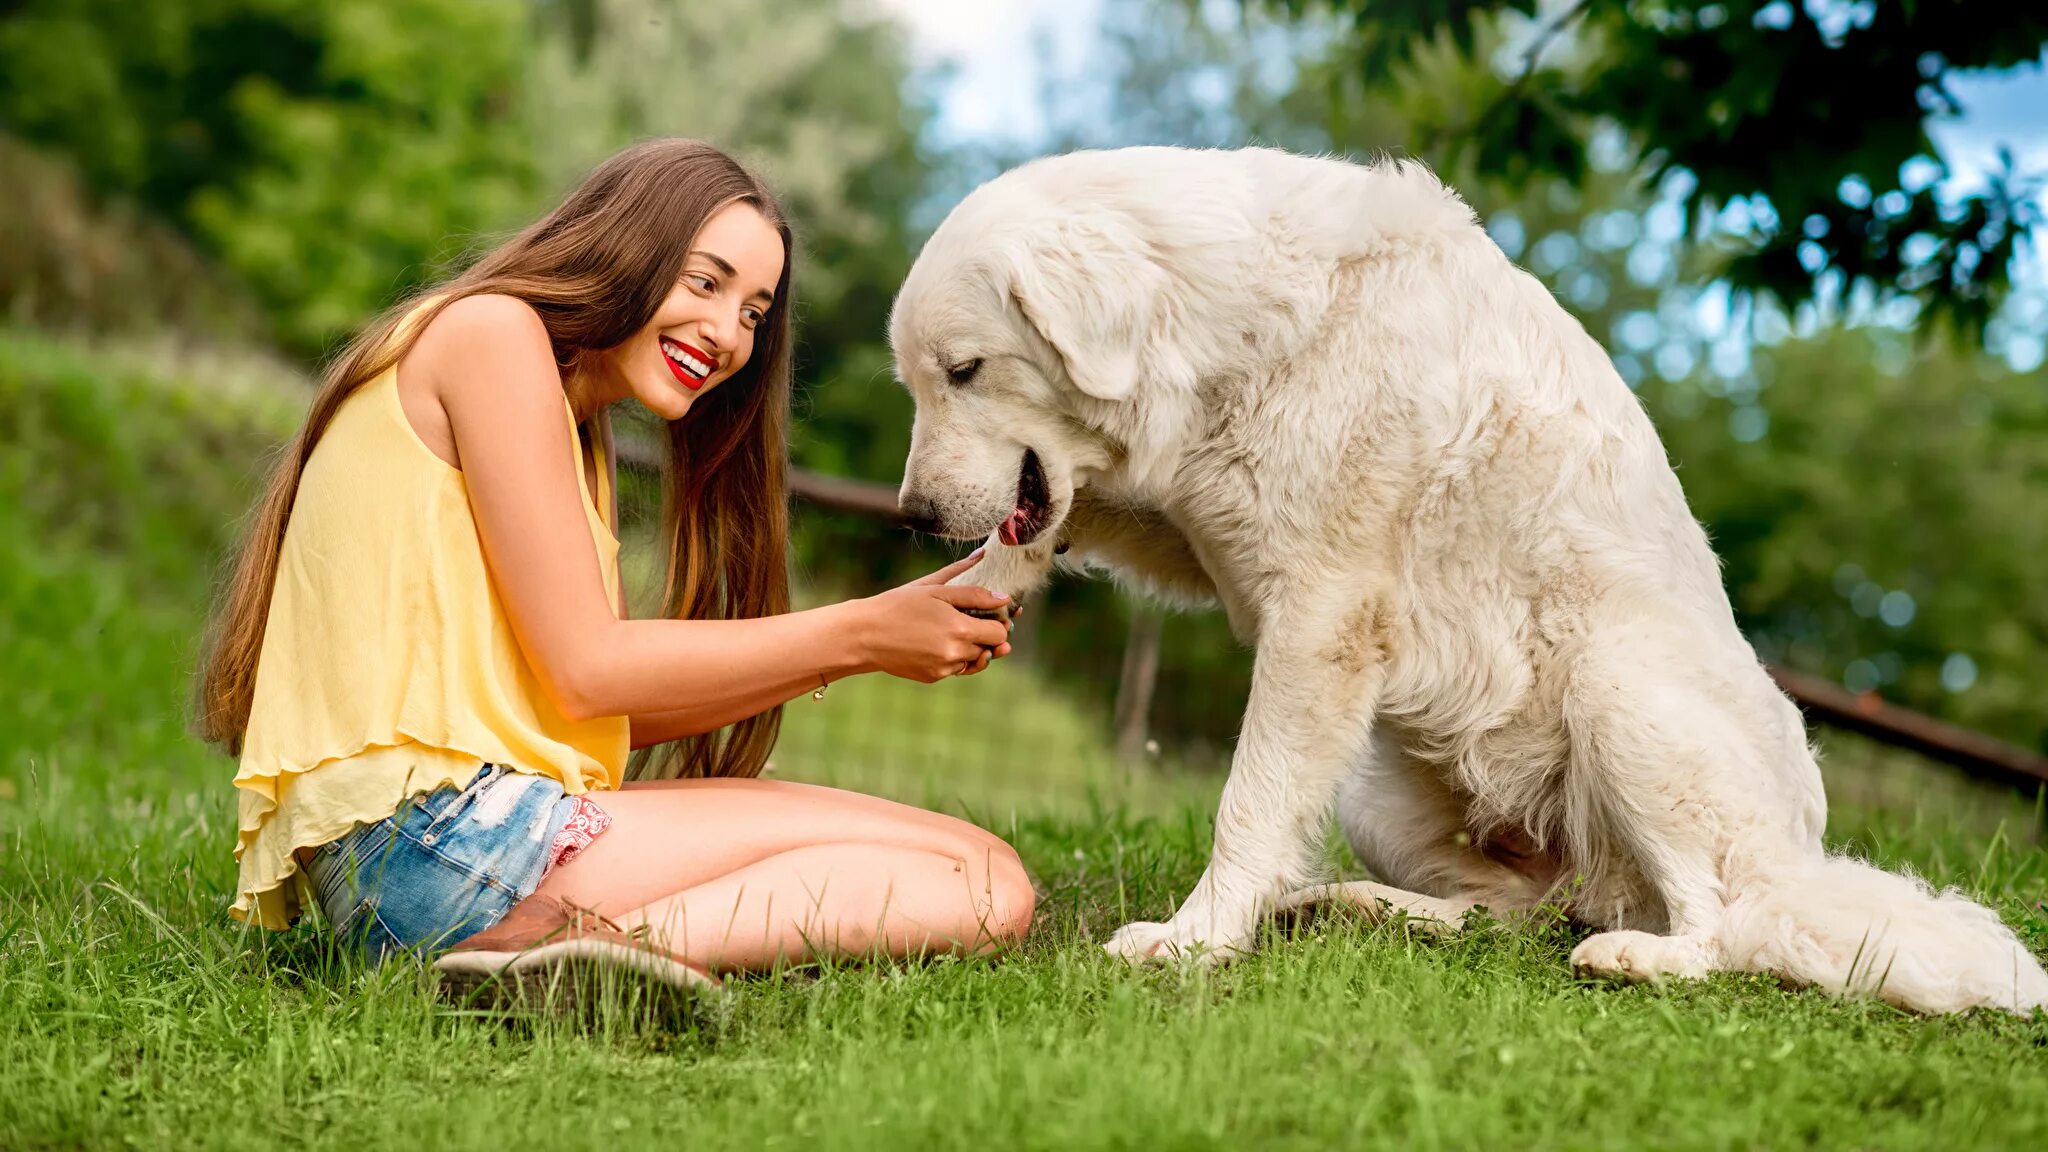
point(704, 331)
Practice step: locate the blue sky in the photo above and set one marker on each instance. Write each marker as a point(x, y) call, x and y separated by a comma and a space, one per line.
point(995, 89)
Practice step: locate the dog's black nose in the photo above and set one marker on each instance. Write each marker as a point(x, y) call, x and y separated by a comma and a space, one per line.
point(918, 514)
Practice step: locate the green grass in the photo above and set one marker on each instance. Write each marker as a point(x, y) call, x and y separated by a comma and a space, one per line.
point(134, 1013)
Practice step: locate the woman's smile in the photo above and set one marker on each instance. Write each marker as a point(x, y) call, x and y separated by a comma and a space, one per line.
point(690, 365)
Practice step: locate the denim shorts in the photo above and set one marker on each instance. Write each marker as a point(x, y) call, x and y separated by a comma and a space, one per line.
point(447, 865)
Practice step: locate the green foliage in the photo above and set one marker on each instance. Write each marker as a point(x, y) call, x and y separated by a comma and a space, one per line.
point(407, 152)
point(119, 490)
point(326, 153)
point(1808, 119)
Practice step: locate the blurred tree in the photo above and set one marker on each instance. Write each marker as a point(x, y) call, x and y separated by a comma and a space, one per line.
point(71, 261)
point(1870, 500)
point(1802, 126)
point(331, 155)
point(324, 152)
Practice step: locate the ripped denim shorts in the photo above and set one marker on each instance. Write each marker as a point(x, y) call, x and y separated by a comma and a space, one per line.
point(448, 864)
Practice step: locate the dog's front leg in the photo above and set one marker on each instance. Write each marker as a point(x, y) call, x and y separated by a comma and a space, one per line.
point(1016, 571)
point(1310, 712)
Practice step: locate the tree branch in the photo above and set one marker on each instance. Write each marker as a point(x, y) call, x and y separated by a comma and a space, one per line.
point(1532, 56)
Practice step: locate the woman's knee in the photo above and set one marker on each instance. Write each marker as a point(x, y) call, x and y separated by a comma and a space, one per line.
point(1010, 898)
point(969, 836)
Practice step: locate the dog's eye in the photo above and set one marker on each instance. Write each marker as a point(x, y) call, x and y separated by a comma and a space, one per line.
point(963, 372)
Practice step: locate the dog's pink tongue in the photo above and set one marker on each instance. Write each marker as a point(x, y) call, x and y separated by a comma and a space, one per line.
point(1013, 528)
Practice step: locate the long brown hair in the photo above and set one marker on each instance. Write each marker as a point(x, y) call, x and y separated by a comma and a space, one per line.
point(595, 269)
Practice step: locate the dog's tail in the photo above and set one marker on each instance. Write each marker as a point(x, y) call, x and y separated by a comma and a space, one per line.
point(1856, 930)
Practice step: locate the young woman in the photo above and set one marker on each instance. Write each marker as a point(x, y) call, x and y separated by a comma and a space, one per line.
point(424, 662)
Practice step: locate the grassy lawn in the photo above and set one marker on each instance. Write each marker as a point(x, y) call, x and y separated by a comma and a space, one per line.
point(134, 1013)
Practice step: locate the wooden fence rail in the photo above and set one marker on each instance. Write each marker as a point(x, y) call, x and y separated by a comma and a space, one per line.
point(1822, 701)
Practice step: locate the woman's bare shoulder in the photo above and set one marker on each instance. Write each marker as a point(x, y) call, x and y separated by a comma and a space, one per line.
point(490, 341)
point(487, 317)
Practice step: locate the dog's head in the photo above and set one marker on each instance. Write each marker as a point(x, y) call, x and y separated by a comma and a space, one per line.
point(1020, 329)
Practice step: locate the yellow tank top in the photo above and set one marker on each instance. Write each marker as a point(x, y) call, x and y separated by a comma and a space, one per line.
point(388, 666)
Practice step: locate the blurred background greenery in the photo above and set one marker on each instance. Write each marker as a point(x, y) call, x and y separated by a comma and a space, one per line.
point(1837, 324)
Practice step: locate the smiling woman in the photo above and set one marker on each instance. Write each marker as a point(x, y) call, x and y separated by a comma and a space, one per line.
point(423, 661)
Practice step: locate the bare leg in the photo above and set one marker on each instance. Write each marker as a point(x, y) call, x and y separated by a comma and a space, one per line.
point(832, 900)
point(738, 874)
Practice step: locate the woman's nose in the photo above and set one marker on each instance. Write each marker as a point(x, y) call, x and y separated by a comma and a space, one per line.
point(718, 331)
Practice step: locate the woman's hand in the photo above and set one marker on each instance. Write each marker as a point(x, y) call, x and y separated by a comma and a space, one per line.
point(918, 631)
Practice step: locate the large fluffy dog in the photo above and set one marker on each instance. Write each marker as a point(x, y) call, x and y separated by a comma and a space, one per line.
point(1489, 632)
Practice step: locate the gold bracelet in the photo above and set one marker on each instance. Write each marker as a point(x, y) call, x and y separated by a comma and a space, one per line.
point(822, 685)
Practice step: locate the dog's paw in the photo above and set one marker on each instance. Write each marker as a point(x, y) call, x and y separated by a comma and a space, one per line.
point(1001, 614)
point(1637, 957)
point(1143, 942)
point(1014, 570)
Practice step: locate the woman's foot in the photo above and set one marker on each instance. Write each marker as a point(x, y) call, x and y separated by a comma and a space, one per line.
point(584, 963)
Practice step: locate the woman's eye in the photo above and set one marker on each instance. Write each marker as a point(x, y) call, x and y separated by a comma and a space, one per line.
point(701, 283)
point(963, 372)
point(754, 317)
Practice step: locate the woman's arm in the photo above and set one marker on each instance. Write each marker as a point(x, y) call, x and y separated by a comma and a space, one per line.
point(488, 362)
point(650, 728)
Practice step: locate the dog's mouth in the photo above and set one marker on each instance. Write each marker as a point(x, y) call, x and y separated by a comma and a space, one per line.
point(1034, 504)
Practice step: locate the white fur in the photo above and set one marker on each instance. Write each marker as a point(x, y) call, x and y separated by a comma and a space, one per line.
point(1490, 635)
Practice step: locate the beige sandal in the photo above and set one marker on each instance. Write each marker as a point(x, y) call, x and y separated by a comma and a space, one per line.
point(575, 966)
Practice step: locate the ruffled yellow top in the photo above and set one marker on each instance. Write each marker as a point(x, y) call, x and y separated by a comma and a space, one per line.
point(388, 666)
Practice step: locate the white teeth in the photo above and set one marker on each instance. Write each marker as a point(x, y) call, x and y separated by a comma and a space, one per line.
point(695, 367)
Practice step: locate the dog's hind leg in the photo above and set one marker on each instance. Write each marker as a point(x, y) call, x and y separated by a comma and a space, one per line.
point(1380, 904)
point(1411, 831)
point(1671, 775)
point(1698, 771)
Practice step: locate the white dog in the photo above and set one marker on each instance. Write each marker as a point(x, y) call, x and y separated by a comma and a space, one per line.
point(1489, 632)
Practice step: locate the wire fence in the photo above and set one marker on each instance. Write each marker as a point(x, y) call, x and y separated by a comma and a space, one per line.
point(1091, 695)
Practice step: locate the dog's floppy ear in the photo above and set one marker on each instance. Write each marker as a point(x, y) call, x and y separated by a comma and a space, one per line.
point(1093, 296)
